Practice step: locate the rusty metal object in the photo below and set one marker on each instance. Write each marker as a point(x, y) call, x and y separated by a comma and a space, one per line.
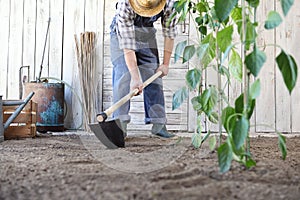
point(50, 109)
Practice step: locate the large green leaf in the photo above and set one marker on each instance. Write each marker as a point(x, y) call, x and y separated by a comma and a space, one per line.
point(199, 20)
point(203, 30)
point(226, 53)
point(182, 7)
point(255, 60)
point(196, 102)
point(224, 38)
point(204, 55)
point(212, 142)
point(193, 77)
point(225, 156)
point(224, 71)
point(286, 5)
point(188, 53)
point(213, 117)
point(223, 8)
point(236, 66)
point(196, 140)
point(209, 100)
point(250, 32)
point(273, 20)
point(178, 97)
point(236, 14)
point(226, 116)
point(240, 132)
point(254, 89)
point(205, 137)
point(206, 52)
point(282, 145)
point(201, 7)
point(239, 105)
point(179, 50)
point(178, 5)
point(288, 68)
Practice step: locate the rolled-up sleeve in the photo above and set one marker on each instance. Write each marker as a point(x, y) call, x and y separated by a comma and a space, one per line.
point(125, 25)
point(169, 27)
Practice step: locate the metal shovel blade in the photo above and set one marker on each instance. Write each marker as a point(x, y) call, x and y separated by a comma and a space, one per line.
point(109, 133)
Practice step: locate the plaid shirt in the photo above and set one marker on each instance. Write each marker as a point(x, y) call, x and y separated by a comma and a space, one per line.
point(125, 23)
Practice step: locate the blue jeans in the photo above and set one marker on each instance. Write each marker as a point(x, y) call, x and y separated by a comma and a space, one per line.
point(147, 60)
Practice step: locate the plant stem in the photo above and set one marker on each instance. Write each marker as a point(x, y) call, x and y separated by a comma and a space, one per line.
point(220, 91)
point(246, 75)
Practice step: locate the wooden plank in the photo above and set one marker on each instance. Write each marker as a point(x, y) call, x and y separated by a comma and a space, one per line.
point(293, 18)
point(15, 132)
point(283, 99)
point(24, 125)
point(192, 36)
point(91, 20)
point(28, 106)
point(29, 38)
point(73, 24)
point(42, 19)
point(94, 21)
point(211, 78)
point(27, 115)
point(4, 34)
point(55, 39)
point(235, 87)
point(265, 104)
point(100, 52)
point(109, 12)
point(33, 118)
point(21, 118)
point(15, 48)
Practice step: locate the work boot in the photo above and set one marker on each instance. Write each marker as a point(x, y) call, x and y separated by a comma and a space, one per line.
point(124, 128)
point(161, 131)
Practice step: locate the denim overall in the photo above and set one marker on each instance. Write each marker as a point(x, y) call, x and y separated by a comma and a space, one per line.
point(148, 61)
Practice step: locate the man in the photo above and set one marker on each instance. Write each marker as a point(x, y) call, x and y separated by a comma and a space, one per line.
point(134, 56)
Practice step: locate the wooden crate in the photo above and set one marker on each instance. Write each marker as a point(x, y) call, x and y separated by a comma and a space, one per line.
point(24, 125)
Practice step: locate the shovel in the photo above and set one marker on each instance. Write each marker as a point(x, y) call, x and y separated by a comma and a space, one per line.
point(110, 133)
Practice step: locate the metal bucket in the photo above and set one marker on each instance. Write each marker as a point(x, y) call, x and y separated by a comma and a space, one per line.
point(50, 108)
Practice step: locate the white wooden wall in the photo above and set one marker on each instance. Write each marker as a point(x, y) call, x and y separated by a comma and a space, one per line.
point(23, 29)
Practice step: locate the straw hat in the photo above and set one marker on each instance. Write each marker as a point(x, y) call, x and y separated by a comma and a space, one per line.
point(147, 8)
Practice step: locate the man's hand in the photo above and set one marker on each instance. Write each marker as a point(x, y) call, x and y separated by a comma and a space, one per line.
point(130, 59)
point(136, 81)
point(168, 47)
point(164, 69)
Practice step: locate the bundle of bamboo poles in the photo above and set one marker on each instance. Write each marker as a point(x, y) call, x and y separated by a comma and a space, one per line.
point(86, 59)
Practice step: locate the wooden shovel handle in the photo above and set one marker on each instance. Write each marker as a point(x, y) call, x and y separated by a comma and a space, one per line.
point(102, 116)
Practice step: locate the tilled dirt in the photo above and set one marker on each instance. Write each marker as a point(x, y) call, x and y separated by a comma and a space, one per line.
point(79, 167)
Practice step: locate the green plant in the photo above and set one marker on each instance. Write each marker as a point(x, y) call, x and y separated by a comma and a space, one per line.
point(216, 23)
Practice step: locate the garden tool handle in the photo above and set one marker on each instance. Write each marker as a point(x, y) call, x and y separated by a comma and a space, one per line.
point(103, 116)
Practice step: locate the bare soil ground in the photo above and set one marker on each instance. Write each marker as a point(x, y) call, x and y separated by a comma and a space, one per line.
point(79, 167)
